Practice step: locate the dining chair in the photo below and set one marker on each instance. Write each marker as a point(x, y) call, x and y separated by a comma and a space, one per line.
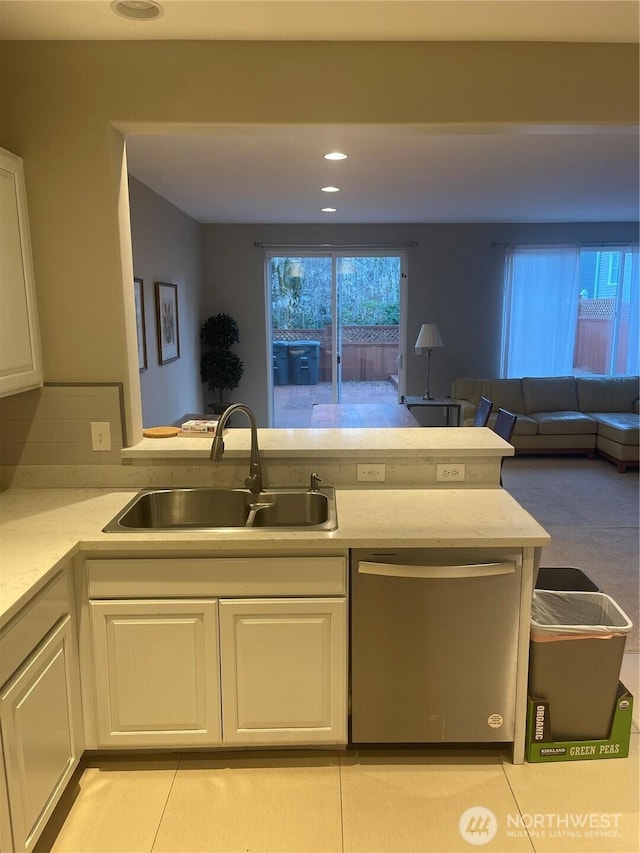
point(504, 426)
point(482, 412)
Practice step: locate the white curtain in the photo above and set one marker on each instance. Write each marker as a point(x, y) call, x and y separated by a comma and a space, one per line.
point(540, 311)
point(633, 346)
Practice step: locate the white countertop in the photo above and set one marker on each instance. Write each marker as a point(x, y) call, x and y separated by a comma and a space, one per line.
point(464, 442)
point(42, 528)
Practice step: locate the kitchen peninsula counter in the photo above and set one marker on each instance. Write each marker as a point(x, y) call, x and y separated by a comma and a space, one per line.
point(40, 529)
point(364, 443)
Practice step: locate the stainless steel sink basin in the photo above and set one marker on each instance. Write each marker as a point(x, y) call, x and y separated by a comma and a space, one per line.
point(294, 509)
point(165, 509)
point(224, 509)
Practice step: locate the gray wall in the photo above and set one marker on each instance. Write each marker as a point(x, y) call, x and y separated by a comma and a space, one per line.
point(167, 247)
point(455, 279)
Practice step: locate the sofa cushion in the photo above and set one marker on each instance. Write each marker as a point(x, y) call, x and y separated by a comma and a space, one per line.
point(564, 423)
point(623, 427)
point(608, 393)
point(505, 393)
point(550, 394)
point(466, 389)
point(549, 443)
point(524, 425)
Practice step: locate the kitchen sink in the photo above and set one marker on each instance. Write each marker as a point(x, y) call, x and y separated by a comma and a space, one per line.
point(225, 509)
point(294, 509)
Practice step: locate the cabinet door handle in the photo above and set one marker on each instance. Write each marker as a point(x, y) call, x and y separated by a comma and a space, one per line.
point(470, 570)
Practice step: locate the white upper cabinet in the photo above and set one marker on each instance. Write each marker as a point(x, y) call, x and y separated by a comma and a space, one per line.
point(20, 359)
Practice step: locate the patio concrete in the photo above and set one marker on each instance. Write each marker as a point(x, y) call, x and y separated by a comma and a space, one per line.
point(293, 403)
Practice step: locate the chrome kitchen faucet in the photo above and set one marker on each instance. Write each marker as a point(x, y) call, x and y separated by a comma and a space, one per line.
point(254, 481)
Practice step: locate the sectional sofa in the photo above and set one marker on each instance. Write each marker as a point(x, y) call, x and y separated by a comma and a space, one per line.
point(564, 414)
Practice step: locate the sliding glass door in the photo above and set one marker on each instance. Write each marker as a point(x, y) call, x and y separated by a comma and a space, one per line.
point(335, 331)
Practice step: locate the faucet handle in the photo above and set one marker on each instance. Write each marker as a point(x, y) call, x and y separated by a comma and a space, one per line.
point(252, 483)
point(313, 482)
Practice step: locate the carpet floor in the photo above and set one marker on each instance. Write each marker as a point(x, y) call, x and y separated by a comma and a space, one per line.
point(591, 513)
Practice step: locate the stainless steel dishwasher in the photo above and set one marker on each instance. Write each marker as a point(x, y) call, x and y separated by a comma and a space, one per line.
point(434, 641)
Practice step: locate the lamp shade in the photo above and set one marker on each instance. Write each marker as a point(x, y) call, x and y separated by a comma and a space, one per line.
point(428, 338)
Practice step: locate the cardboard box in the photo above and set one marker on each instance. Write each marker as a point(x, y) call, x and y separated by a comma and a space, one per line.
point(540, 748)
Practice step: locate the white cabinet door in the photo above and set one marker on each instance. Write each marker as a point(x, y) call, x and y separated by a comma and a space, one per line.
point(156, 672)
point(6, 837)
point(20, 365)
point(284, 673)
point(39, 715)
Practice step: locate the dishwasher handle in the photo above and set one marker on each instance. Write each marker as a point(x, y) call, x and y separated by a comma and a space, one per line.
point(469, 570)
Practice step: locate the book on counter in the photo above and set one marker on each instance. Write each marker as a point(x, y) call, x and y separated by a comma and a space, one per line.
point(198, 427)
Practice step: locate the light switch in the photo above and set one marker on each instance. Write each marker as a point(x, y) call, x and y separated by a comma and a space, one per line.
point(100, 435)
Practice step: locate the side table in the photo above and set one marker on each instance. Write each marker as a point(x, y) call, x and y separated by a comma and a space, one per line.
point(445, 403)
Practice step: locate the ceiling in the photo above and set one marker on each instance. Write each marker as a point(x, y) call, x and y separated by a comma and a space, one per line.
point(393, 174)
point(332, 20)
point(398, 174)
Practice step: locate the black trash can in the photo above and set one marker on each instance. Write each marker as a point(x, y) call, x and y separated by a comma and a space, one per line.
point(575, 656)
point(304, 358)
point(565, 579)
point(280, 362)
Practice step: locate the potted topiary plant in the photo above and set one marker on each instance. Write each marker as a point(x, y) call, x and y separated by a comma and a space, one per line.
point(220, 368)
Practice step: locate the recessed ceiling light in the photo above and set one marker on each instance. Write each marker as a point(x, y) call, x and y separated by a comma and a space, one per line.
point(330, 189)
point(328, 210)
point(335, 155)
point(138, 10)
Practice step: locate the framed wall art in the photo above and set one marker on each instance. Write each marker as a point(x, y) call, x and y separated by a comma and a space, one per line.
point(167, 322)
point(138, 292)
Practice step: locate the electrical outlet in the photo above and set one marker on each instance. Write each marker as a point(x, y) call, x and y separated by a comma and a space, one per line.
point(370, 473)
point(451, 473)
point(100, 435)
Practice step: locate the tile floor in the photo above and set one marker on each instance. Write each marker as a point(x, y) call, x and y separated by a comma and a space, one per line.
point(389, 800)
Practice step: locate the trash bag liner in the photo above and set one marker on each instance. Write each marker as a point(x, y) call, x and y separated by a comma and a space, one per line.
point(557, 615)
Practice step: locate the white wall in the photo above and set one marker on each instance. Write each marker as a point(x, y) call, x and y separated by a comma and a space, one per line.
point(167, 248)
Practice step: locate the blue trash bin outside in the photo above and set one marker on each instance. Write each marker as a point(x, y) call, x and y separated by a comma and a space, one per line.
point(280, 362)
point(304, 358)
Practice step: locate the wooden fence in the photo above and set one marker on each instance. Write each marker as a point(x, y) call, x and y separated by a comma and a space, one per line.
point(594, 336)
point(369, 353)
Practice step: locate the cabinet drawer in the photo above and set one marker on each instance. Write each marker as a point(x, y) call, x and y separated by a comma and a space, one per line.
point(220, 577)
point(25, 631)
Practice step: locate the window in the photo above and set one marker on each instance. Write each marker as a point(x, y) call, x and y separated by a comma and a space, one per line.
point(571, 310)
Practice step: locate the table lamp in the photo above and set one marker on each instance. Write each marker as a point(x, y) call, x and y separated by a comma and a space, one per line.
point(428, 339)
